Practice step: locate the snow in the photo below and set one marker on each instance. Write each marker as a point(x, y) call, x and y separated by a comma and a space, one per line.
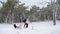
point(45, 27)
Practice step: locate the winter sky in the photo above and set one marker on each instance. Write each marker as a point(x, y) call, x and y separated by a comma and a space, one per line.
point(31, 2)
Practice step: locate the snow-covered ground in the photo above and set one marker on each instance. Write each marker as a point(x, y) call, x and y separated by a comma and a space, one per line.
point(45, 27)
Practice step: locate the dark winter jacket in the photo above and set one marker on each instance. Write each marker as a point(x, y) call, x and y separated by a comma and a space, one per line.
point(24, 20)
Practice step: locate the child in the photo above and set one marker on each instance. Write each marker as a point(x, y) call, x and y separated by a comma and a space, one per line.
point(26, 21)
point(15, 26)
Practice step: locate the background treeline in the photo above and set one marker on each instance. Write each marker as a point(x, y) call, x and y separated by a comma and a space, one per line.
point(15, 11)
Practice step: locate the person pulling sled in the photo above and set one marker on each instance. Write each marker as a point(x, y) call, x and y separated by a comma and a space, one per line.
point(26, 21)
